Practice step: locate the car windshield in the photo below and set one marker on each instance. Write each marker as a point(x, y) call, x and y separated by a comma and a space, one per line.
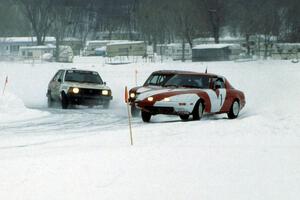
point(83, 77)
point(158, 79)
point(189, 81)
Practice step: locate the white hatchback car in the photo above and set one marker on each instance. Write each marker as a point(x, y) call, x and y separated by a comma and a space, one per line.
point(78, 87)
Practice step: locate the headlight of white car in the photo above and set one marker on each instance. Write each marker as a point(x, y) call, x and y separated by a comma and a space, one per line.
point(105, 92)
point(75, 90)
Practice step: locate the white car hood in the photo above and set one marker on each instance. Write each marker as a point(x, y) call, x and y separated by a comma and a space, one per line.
point(87, 85)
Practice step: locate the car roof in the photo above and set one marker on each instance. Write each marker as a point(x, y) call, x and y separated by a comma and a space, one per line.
point(201, 74)
point(75, 69)
point(171, 72)
point(184, 73)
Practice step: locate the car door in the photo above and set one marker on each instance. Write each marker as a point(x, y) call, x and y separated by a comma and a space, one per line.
point(218, 94)
point(56, 83)
point(51, 85)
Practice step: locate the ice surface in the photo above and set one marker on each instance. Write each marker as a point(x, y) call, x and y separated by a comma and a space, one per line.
point(86, 154)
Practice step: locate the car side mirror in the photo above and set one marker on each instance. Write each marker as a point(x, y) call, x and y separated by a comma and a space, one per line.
point(218, 86)
point(104, 83)
point(59, 80)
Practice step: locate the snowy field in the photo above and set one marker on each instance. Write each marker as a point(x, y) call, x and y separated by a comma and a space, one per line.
point(85, 154)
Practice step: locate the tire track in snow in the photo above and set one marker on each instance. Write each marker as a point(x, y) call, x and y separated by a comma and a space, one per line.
point(62, 125)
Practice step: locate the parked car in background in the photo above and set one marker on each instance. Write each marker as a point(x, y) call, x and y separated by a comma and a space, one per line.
point(155, 81)
point(78, 87)
point(192, 94)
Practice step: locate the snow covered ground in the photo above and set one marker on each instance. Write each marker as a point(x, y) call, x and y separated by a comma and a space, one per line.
point(86, 154)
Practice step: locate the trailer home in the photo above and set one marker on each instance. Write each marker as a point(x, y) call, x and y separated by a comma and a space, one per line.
point(126, 48)
point(10, 46)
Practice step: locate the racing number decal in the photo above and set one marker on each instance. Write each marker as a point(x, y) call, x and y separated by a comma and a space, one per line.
point(221, 100)
point(217, 99)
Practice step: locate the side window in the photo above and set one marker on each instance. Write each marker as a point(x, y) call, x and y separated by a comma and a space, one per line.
point(57, 75)
point(153, 81)
point(218, 83)
point(61, 77)
point(161, 80)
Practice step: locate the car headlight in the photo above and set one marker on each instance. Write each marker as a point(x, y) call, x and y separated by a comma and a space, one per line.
point(75, 90)
point(150, 98)
point(132, 95)
point(105, 92)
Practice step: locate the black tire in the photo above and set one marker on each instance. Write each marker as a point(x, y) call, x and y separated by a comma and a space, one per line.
point(64, 101)
point(134, 111)
point(146, 116)
point(234, 110)
point(50, 101)
point(106, 104)
point(198, 111)
point(184, 117)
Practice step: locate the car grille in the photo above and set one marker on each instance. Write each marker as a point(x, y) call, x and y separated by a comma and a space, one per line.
point(159, 110)
point(90, 92)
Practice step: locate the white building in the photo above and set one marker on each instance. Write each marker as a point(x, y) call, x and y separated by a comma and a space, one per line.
point(126, 48)
point(216, 52)
point(46, 52)
point(9, 46)
point(175, 51)
point(91, 47)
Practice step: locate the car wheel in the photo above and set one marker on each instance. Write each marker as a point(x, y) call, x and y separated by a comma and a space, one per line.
point(146, 116)
point(64, 101)
point(134, 111)
point(184, 117)
point(234, 110)
point(106, 104)
point(50, 101)
point(198, 111)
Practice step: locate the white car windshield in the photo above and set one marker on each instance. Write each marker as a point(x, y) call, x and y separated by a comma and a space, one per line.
point(83, 77)
point(189, 81)
point(158, 79)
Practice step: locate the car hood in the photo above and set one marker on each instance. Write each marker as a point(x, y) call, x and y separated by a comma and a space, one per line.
point(88, 85)
point(168, 92)
point(142, 89)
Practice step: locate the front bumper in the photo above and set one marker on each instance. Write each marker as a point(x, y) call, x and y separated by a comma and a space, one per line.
point(168, 108)
point(79, 99)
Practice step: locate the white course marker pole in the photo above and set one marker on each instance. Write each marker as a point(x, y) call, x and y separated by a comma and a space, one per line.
point(135, 76)
point(129, 115)
point(5, 83)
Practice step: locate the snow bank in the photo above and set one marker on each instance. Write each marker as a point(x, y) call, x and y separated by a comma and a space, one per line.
point(13, 109)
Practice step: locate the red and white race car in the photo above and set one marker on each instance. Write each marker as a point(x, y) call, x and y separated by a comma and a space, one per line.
point(192, 94)
point(155, 81)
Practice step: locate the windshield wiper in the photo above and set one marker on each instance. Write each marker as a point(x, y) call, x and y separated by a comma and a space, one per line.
point(176, 86)
point(190, 86)
point(89, 82)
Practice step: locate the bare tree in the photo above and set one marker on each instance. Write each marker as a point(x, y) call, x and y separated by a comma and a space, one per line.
point(216, 15)
point(243, 18)
point(38, 12)
point(12, 23)
point(62, 19)
point(290, 20)
point(153, 21)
